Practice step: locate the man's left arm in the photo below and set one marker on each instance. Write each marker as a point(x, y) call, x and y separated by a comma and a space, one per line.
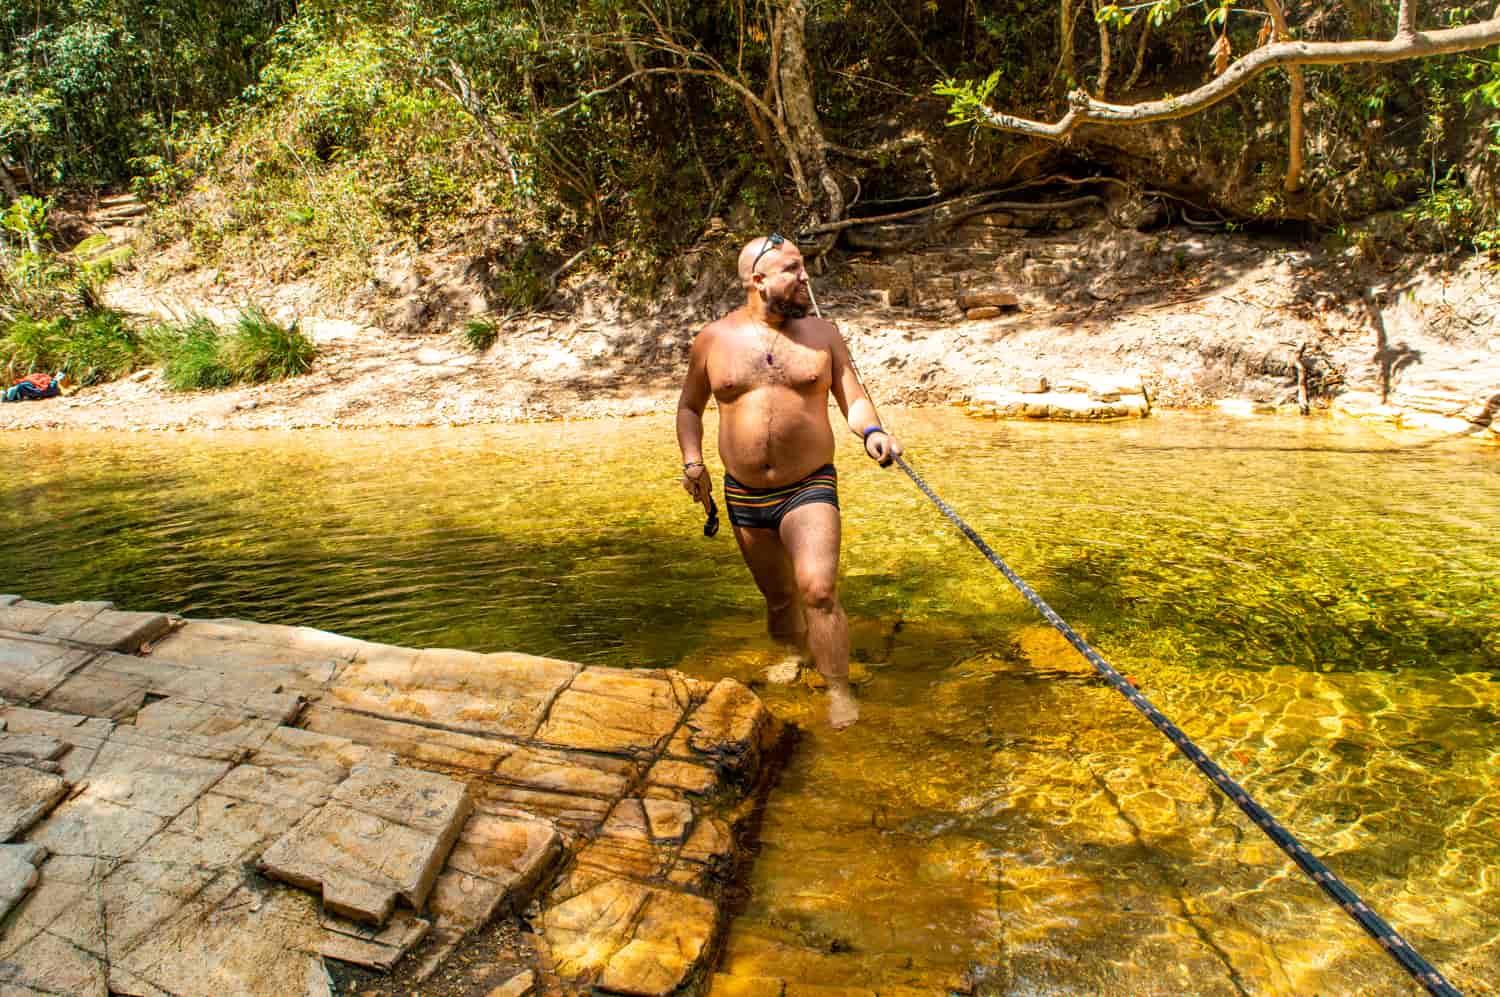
point(856, 405)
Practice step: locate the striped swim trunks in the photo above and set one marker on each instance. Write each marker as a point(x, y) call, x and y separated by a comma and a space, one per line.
point(764, 508)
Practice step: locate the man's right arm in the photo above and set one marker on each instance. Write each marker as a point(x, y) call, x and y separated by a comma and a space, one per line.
point(690, 406)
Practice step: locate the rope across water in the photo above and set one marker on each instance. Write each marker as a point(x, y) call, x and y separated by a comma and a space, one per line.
point(1396, 946)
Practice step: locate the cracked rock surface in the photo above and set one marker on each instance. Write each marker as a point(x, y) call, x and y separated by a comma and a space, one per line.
point(218, 806)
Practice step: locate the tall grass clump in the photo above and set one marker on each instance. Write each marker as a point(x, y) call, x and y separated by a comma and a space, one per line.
point(197, 355)
point(480, 334)
point(92, 347)
point(262, 349)
point(190, 355)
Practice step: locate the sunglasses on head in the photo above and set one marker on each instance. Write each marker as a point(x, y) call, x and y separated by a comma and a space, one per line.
point(774, 240)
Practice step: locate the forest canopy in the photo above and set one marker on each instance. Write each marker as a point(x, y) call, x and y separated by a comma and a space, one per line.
point(635, 124)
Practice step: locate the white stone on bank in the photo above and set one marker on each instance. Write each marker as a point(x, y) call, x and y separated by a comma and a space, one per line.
point(1071, 399)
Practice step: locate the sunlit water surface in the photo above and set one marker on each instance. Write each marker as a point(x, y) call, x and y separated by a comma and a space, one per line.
point(1317, 607)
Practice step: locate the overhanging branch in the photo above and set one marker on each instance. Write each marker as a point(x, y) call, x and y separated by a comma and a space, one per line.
point(1086, 110)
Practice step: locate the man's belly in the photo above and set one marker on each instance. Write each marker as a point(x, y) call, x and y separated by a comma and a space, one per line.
point(774, 436)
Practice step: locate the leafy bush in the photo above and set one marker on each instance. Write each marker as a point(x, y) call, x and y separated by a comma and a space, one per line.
point(93, 347)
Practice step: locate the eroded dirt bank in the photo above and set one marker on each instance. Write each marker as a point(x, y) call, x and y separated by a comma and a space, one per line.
point(1197, 318)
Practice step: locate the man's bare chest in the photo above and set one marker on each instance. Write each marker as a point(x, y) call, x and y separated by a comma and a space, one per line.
point(745, 364)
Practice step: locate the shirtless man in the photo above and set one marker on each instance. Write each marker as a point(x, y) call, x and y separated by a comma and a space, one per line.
point(770, 368)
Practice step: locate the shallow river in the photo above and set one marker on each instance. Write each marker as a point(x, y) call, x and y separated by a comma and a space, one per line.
point(1318, 607)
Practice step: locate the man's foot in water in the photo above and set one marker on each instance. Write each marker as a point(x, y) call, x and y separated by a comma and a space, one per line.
point(843, 708)
point(785, 671)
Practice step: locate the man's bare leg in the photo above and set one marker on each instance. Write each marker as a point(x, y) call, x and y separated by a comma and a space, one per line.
point(771, 567)
point(811, 534)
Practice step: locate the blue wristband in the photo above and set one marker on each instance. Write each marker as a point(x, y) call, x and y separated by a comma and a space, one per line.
point(872, 429)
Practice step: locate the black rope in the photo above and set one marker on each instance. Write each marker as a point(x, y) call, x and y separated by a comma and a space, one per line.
point(1397, 947)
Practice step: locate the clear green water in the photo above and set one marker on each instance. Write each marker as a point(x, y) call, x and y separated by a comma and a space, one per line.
point(1317, 607)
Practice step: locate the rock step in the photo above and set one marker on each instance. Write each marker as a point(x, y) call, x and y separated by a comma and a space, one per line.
point(120, 214)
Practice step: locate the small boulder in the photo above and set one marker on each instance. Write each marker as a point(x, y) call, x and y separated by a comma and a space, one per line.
point(988, 299)
point(1035, 384)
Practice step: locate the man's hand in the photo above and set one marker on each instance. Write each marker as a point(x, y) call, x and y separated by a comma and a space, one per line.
point(882, 447)
point(697, 483)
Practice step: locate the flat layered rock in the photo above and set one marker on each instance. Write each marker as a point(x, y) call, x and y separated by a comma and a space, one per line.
point(417, 744)
point(676, 779)
point(229, 726)
point(584, 931)
point(374, 948)
point(36, 747)
point(495, 868)
point(384, 834)
point(610, 709)
point(136, 785)
point(492, 694)
point(84, 735)
point(27, 795)
point(630, 938)
point(664, 948)
point(97, 624)
point(729, 727)
point(31, 667)
point(1035, 398)
point(230, 938)
point(575, 816)
point(304, 659)
point(18, 872)
point(116, 685)
point(596, 798)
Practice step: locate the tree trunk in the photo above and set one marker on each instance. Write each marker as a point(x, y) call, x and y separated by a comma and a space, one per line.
point(802, 113)
point(1065, 60)
point(1104, 55)
point(11, 193)
point(1299, 96)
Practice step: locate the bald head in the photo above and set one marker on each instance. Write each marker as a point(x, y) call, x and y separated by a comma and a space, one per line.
point(767, 251)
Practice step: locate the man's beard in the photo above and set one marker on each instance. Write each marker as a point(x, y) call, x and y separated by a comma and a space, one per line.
point(786, 307)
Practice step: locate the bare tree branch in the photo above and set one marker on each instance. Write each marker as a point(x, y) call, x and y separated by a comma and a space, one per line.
point(1296, 53)
point(1140, 54)
point(921, 50)
point(979, 203)
point(873, 154)
point(721, 77)
point(463, 94)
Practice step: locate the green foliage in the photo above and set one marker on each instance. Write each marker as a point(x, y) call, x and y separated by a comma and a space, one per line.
point(93, 347)
point(968, 101)
point(480, 334)
point(262, 349)
point(88, 85)
point(39, 284)
point(25, 219)
point(196, 355)
point(189, 355)
point(1450, 214)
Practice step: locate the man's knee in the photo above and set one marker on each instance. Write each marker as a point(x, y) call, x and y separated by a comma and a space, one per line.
point(819, 592)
